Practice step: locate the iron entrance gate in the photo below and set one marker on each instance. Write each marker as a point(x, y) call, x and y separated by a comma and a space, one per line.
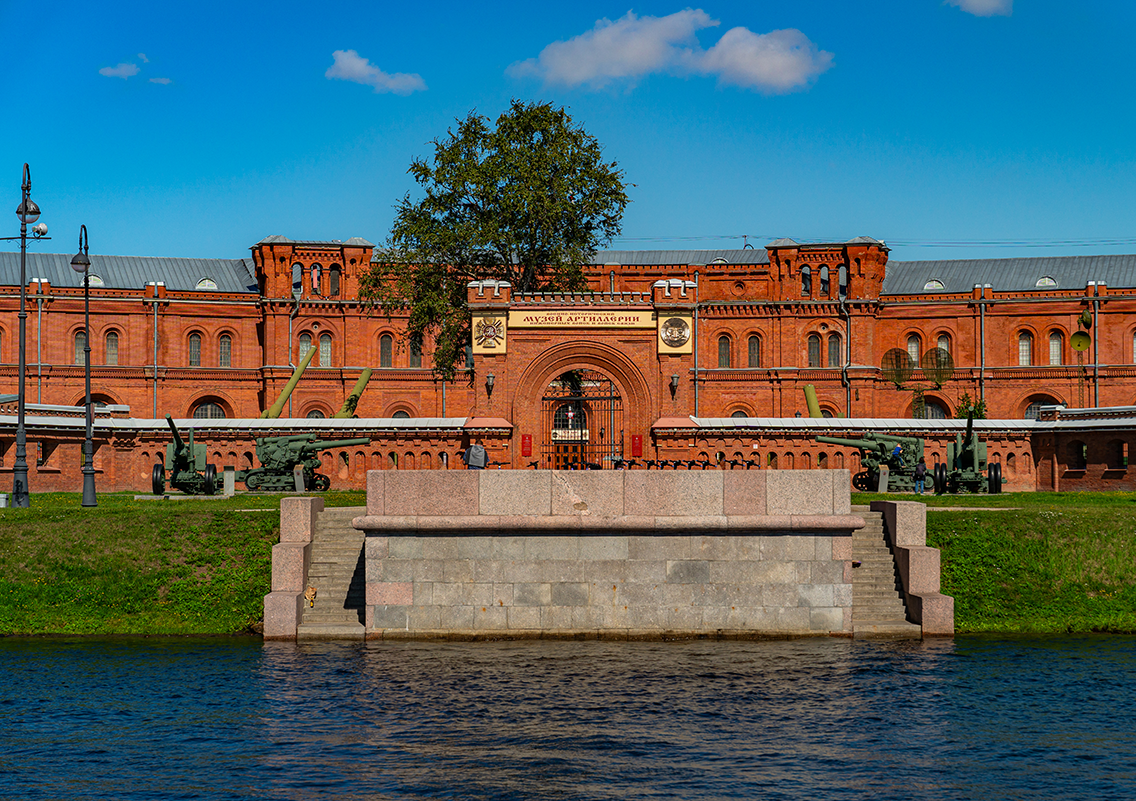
point(582, 422)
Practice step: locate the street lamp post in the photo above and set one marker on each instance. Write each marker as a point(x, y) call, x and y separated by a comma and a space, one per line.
point(28, 213)
point(81, 263)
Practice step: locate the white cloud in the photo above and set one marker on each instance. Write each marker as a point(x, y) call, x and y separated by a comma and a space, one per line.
point(123, 71)
point(162, 81)
point(774, 62)
point(350, 66)
point(984, 8)
point(632, 47)
point(143, 57)
point(625, 50)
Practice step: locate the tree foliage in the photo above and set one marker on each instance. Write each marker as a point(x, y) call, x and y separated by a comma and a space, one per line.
point(528, 201)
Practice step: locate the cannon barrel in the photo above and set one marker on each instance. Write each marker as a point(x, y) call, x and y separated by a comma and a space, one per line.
point(352, 400)
point(177, 435)
point(812, 402)
point(327, 444)
point(891, 438)
point(862, 444)
point(274, 410)
point(969, 425)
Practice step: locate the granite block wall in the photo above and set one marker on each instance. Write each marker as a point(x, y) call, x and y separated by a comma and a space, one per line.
point(607, 554)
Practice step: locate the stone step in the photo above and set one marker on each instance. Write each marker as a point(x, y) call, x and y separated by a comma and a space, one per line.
point(885, 630)
point(330, 631)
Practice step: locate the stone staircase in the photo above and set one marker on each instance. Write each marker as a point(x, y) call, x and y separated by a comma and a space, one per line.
point(877, 599)
point(337, 571)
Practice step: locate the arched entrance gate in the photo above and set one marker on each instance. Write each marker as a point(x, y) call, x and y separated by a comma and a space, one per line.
point(581, 421)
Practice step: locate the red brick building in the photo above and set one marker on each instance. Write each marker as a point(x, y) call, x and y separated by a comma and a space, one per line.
point(723, 337)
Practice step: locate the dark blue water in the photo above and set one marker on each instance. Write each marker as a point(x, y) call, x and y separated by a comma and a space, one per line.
point(217, 719)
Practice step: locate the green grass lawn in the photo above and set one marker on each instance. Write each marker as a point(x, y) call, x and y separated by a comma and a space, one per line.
point(1057, 562)
point(1046, 562)
point(139, 567)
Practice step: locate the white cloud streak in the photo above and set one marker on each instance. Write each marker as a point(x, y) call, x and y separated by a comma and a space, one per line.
point(162, 81)
point(984, 8)
point(633, 47)
point(143, 57)
point(350, 66)
point(123, 71)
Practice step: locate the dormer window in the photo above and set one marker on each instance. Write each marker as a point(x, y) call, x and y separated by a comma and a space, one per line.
point(933, 284)
point(206, 283)
point(719, 260)
point(1046, 280)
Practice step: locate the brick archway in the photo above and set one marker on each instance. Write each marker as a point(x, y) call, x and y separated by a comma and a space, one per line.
point(638, 405)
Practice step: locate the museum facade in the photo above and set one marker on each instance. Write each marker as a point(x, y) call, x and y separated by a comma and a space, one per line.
point(668, 354)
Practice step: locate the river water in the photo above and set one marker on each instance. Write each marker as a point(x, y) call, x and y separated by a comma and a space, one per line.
point(982, 718)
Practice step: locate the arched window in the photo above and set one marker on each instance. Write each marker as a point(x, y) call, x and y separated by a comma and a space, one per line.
point(934, 410)
point(195, 350)
point(297, 279)
point(754, 352)
point(415, 353)
point(112, 347)
point(915, 348)
point(208, 410)
point(835, 357)
point(316, 414)
point(225, 351)
point(305, 345)
point(723, 351)
point(401, 415)
point(317, 272)
point(739, 415)
point(325, 350)
point(825, 285)
point(333, 281)
point(843, 287)
point(944, 342)
point(80, 348)
point(386, 349)
point(814, 350)
point(772, 461)
point(1055, 343)
point(806, 281)
point(1035, 404)
point(1025, 349)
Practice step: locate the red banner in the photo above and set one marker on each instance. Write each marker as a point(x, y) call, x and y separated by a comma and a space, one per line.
point(526, 444)
point(636, 446)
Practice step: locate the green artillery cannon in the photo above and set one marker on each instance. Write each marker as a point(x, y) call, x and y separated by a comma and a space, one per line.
point(186, 463)
point(279, 456)
point(880, 449)
point(967, 467)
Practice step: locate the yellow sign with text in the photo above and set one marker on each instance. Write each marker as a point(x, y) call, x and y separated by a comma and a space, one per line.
point(572, 318)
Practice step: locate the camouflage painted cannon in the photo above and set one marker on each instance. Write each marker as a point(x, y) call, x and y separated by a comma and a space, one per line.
point(280, 456)
point(900, 454)
point(187, 463)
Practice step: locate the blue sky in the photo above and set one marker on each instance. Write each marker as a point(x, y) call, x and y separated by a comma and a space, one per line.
point(196, 129)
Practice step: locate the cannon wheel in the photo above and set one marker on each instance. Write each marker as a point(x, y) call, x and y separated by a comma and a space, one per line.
point(940, 478)
point(321, 483)
point(998, 476)
point(253, 480)
point(862, 481)
point(158, 479)
point(994, 479)
point(210, 479)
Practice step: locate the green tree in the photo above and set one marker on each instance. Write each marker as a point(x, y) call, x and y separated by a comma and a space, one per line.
point(965, 404)
point(526, 201)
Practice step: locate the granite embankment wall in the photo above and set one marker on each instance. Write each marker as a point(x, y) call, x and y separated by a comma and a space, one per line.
point(619, 554)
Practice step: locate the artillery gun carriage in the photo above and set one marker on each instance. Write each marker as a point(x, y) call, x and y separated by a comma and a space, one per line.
point(280, 456)
point(900, 454)
point(187, 464)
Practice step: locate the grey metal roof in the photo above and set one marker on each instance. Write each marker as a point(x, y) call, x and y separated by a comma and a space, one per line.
point(133, 272)
point(853, 424)
point(650, 258)
point(1009, 275)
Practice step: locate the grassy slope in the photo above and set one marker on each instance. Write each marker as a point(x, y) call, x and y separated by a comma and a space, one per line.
point(138, 567)
point(1059, 562)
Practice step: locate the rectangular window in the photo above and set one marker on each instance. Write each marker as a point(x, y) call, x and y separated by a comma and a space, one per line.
point(112, 348)
point(194, 350)
point(80, 349)
point(226, 353)
point(1055, 349)
point(415, 354)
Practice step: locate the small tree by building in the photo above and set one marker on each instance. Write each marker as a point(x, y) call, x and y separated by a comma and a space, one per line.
point(528, 201)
